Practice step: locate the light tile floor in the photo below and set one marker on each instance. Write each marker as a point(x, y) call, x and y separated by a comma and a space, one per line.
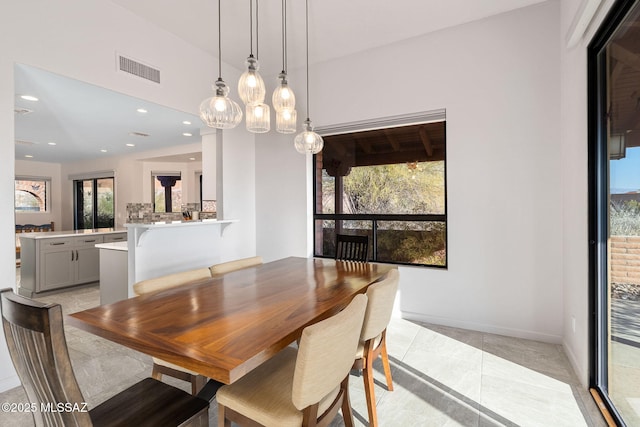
point(442, 377)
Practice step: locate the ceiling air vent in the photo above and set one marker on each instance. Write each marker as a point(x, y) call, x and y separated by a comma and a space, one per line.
point(138, 134)
point(22, 142)
point(139, 69)
point(22, 111)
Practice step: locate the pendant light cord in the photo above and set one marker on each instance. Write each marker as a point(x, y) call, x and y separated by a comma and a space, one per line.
point(284, 36)
point(219, 44)
point(251, 27)
point(307, 37)
point(257, 38)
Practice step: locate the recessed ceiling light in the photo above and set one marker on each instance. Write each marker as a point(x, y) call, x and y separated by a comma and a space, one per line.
point(51, 143)
point(187, 134)
point(28, 156)
point(192, 158)
point(131, 145)
point(103, 151)
point(29, 97)
point(186, 122)
point(141, 110)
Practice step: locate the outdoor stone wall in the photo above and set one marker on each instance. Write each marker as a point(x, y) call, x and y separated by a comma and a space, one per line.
point(625, 267)
point(625, 259)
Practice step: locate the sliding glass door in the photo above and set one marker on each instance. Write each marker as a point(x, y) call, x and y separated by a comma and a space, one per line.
point(614, 121)
point(94, 203)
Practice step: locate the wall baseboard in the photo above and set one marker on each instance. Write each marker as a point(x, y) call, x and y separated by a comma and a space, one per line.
point(9, 383)
point(582, 375)
point(480, 327)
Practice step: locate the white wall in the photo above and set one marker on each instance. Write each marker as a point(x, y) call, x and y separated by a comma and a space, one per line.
point(44, 170)
point(78, 39)
point(8, 378)
point(238, 172)
point(499, 81)
point(282, 212)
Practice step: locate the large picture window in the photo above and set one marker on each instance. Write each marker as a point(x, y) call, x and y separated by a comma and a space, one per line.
point(388, 184)
point(32, 194)
point(167, 191)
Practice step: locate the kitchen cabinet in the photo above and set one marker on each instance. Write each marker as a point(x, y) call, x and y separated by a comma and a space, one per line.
point(55, 260)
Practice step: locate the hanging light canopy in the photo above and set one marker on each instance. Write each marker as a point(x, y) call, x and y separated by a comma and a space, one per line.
point(220, 111)
point(283, 99)
point(308, 141)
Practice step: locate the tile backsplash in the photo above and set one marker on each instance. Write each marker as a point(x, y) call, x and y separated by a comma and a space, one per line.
point(141, 213)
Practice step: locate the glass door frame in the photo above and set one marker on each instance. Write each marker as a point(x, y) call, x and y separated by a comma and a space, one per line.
point(598, 181)
point(94, 196)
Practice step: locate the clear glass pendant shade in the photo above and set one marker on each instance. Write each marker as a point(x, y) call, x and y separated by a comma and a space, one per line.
point(251, 86)
point(286, 121)
point(283, 97)
point(307, 141)
point(220, 111)
point(258, 118)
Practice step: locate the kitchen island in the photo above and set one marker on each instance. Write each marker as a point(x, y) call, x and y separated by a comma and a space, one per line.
point(113, 272)
point(59, 259)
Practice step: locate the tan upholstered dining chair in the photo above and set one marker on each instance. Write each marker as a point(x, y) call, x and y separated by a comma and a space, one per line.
point(35, 336)
point(170, 281)
point(306, 387)
point(239, 264)
point(373, 342)
point(156, 284)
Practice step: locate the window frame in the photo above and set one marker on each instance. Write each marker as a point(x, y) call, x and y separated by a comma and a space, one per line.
point(598, 209)
point(154, 177)
point(420, 118)
point(94, 202)
point(47, 193)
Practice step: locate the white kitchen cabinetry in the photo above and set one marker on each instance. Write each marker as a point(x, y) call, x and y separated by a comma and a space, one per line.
point(57, 261)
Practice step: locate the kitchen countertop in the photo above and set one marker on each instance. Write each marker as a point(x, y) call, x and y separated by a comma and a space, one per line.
point(116, 246)
point(69, 233)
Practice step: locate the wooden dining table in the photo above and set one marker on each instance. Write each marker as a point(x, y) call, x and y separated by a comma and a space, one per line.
point(224, 327)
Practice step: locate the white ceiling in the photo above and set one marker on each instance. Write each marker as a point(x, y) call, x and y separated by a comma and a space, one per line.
point(337, 27)
point(83, 119)
point(69, 115)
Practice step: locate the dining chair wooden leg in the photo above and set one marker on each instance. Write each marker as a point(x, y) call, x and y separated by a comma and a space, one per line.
point(197, 382)
point(385, 363)
point(222, 420)
point(367, 375)
point(310, 416)
point(155, 373)
point(347, 412)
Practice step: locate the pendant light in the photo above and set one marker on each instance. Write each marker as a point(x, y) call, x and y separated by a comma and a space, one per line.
point(308, 141)
point(251, 86)
point(220, 111)
point(283, 99)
